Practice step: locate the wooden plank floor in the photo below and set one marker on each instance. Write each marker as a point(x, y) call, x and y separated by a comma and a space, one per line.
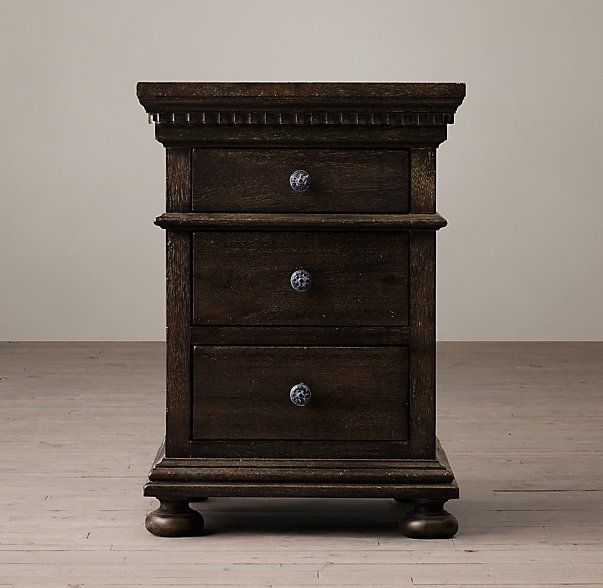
point(522, 425)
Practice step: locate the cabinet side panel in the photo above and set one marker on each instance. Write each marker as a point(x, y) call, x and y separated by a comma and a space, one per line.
point(178, 303)
point(422, 346)
point(423, 180)
point(178, 180)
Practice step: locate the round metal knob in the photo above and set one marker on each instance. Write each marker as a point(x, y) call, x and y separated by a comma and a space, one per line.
point(300, 394)
point(300, 180)
point(301, 280)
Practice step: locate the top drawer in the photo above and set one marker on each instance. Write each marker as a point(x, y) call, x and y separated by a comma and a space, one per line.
point(258, 180)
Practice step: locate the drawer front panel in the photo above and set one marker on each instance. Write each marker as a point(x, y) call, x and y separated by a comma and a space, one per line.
point(357, 393)
point(244, 279)
point(258, 180)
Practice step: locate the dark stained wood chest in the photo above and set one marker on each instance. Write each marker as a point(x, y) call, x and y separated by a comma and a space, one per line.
point(300, 222)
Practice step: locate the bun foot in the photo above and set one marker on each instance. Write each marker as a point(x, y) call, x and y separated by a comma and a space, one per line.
point(174, 519)
point(429, 520)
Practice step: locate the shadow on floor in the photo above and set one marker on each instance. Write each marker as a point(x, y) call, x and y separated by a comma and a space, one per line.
point(376, 517)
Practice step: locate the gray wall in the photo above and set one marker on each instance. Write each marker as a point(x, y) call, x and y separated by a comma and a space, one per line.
point(519, 179)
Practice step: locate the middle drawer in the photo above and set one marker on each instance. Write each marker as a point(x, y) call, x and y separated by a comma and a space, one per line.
point(300, 279)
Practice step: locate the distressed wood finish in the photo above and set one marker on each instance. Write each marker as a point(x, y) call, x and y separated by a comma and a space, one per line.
point(299, 222)
point(178, 180)
point(358, 393)
point(279, 449)
point(262, 335)
point(309, 114)
point(425, 94)
point(423, 180)
point(362, 337)
point(178, 304)
point(294, 137)
point(348, 474)
point(422, 344)
point(257, 180)
point(243, 279)
point(300, 103)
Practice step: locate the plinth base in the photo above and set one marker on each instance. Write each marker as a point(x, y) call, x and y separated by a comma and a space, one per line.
point(427, 483)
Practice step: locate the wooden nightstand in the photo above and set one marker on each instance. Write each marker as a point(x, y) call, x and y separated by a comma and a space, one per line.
point(301, 230)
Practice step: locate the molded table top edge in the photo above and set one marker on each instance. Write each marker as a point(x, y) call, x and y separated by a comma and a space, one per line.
point(152, 94)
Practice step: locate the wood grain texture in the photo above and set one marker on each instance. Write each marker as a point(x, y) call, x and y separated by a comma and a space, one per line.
point(181, 93)
point(358, 393)
point(310, 114)
point(257, 180)
point(298, 222)
point(302, 474)
point(422, 346)
point(235, 474)
point(413, 490)
point(279, 449)
point(259, 335)
point(293, 136)
point(178, 382)
point(423, 180)
point(178, 305)
point(522, 424)
point(178, 180)
point(300, 104)
point(293, 463)
point(357, 279)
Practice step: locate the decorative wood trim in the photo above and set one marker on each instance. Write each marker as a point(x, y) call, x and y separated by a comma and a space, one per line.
point(325, 136)
point(301, 118)
point(167, 463)
point(306, 92)
point(410, 490)
point(440, 462)
point(273, 469)
point(301, 474)
point(193, 477)
point(305, 104)
point(315, 222)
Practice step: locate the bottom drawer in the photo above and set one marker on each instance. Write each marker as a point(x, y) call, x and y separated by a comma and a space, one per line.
point(357, 393)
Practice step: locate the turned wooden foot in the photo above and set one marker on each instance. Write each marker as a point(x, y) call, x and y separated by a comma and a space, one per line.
point(174, 519)
point(429, 520)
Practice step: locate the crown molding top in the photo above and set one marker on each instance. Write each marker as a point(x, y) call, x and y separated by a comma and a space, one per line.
point(300, 103)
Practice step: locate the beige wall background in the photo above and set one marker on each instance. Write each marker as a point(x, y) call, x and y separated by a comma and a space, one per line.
point(519, 178)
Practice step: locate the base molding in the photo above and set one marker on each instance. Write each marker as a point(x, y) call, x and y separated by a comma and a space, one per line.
point(411, 479)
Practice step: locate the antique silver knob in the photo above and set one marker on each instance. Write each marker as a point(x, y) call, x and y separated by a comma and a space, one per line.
point(300, 394)
point(300, 180)
point(301, 280)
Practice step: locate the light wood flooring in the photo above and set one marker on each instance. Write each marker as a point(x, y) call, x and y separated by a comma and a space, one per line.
point(522, 424)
